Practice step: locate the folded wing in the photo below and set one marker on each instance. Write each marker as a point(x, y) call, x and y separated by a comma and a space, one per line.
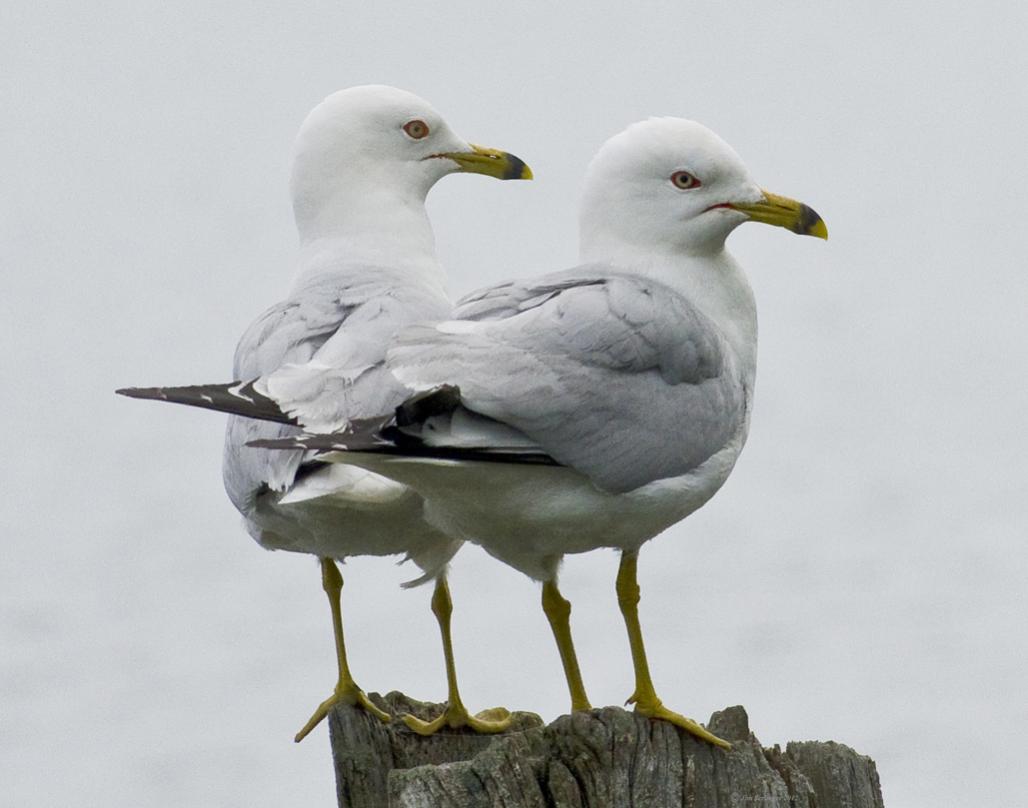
point(615, 376)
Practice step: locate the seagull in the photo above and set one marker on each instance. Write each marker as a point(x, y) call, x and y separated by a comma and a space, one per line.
point(363, 163)
point(596, 406)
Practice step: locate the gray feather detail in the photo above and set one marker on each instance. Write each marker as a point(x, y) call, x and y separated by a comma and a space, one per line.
point(345, 318)
point(616, 376)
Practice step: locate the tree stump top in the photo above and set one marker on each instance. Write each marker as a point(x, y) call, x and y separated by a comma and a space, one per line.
point(606, 758)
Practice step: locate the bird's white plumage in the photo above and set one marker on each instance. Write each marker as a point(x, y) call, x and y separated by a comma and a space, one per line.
point(635, 370)
point(367, 268)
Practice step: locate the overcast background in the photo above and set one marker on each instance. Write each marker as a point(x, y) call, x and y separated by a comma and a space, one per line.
point(862, 575)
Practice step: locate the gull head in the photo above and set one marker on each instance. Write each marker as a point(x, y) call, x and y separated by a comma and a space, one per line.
point(672, 185)
point(374, 143)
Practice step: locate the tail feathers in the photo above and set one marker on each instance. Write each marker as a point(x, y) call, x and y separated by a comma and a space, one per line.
point(384, 433)
point(383, 437)
point(404, 433)
point(362, 435)
point(238, 398)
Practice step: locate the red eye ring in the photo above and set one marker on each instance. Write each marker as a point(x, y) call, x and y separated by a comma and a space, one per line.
point(416, 129)
point(684, 180)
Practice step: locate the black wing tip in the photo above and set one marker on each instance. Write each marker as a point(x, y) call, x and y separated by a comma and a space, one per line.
point(236, 398)
point(275, 443)
point(140, 392)
point(310, 443)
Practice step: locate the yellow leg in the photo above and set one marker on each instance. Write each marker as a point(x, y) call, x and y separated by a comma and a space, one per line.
point(346, 691)
point(645, 697)
point(455, 715)
point(558, 612)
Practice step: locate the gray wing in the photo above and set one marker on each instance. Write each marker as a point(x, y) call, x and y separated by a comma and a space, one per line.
point(618, 377)
point(321, 353)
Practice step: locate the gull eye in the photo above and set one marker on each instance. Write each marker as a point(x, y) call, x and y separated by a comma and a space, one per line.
point(416, 129)
point(685, 180)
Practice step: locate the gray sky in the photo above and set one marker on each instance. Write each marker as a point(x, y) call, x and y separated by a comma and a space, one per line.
point(862, 575)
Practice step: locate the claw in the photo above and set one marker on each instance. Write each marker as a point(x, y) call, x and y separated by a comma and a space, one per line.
point(657, 710)
point(456, 714)
point(493, 720)
point(346, 690)
point(644, 697)
point(351, 695)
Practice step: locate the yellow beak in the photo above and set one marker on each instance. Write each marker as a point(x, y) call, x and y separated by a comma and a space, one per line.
point(784, 212)
point(491, 162)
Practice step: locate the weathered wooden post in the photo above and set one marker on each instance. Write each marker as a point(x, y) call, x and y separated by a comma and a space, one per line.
point(607, 758)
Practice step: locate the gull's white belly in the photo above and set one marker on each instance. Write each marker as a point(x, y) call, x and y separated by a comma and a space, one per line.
point(343, 511)
point(528, 516)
